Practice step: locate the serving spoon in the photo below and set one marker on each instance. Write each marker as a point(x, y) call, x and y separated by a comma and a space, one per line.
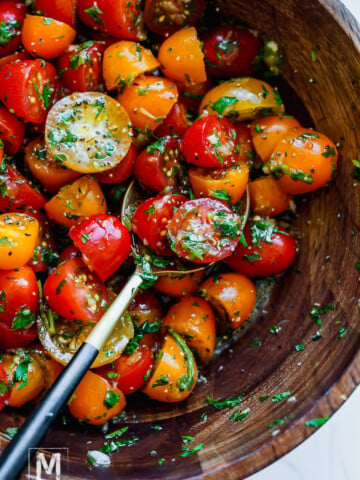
point(16, 454)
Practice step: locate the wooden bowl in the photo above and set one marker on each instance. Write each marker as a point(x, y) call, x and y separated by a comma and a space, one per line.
point(320, 377)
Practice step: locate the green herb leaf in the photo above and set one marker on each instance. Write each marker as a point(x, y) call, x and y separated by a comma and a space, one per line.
point(316, 422)
point(23, 319)
point(111, 399)
point(280, 396)
point(230, 402)
point(222, 103)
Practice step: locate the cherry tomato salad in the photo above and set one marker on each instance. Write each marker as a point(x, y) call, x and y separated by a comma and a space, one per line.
point(93, 95)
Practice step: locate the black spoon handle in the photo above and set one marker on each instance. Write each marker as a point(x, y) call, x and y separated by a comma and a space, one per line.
point(15, 456)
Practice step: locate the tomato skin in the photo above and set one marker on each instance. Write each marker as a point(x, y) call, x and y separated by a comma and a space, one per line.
point(204, 230)
point(12, 131)
point(179, 286)
point(62, 10)
point(122, 171)
point(157, 168)
point(172, 15)
point(88, 402)
point(5, 388)
point(303, 161)
point(104, 243)
point(12, 15)
point(18, 93)
point(16, 338)
point(76, 293)
point(122, 19)
point(19, 291)
point(246, 146)
point(151, 218)
point(14, 57)
point(128, 372)
point(270, 258)
point(209, 142)
point(69, 252)
point(175, 123)
point(267, 199)
point(45, 250)
point(230, 51)
point(80, 66)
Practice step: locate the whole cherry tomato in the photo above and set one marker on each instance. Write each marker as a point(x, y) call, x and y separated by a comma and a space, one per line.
point(176, 123)
point(167, 17)
point(12, 131)
point(12, 15)
point(62, 10)
point(16, 338)
point(267, 198)
point(45, 254)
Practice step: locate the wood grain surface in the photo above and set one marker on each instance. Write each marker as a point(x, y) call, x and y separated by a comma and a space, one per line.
point(320, 377)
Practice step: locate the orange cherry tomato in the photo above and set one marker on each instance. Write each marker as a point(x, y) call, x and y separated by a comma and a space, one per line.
point(26, 377)
point(267, 199)
point(124, 61)
point(18, 238)
point(49, 173)
point(268, 131)
point(45, 37)
point(50, 367)
point(148, 101)
point(227, 184)
point(194, 319)
point(175, 374)
point(303, 161)
point(233, 295)
point(181, 57)
point(179, 286)
point(75, 201)
point(95, 401)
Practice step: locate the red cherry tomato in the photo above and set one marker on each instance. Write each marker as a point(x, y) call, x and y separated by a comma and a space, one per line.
point(122, 171)
point(45, 251)
point(204, 230)
point(230, 51)
point(69, 252)
point(18, 297)
point(12, 131)
point(104, 243)
point(270, 251)
point(62, 10)
point(158, 166)
point(76, 293)
point(16, 338)
point(17, 191)
point(211, 142)
point(13, 57)
point(5, 388)
point(80, 66)
point(129, 371)
point(175, 123)
point(167, 17)
point(151, 218)
point(12, 14)
point(27, 88)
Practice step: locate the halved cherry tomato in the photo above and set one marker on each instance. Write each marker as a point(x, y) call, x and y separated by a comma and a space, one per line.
point(19, 297)
point(124, 61)
point(50, 367)
point(167, 17)
point(26, 377)
point(121, 19)
point(50, 174)
point(268, 131)
point(303, 161)
point(175, 373)
point(95, 401)
point(14, 57)
point(148, 101)
point(230, 51)
point(181, 57)
point(176, 122)
point(75, 201)
point(80, 66)
point(12, 131)
point(104, 243)
point(88, 132)
point(122, 171)
point(45, 250)
point(76, 293)
point(151, 218)
point(16, 338)
point(247, 151)
point(204, 230)
point(12, 14)
point(267, 198)
point(28, 88)
point(180, 286)
point(158, 166)
point(45, 37)
point(17, 191)
point(194, 319)
point(5, 388)
point(129, 372)
point(62, 10)
point(242, 99)
point(19, 233)
point(211, 142)
point(269, 250)
point(232, 295)
point(227, 184)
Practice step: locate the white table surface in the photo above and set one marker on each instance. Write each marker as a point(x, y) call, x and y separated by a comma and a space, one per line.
point(333, 452)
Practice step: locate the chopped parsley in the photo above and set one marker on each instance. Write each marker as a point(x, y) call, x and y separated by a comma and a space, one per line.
point(111, 399)
point(139, 332)
point(316, 422)
point(94, 13)
point(280, 396)
point(221, 195)
point(223, 102)
point(229, 402)
point(23, 319)
point(240, 415)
